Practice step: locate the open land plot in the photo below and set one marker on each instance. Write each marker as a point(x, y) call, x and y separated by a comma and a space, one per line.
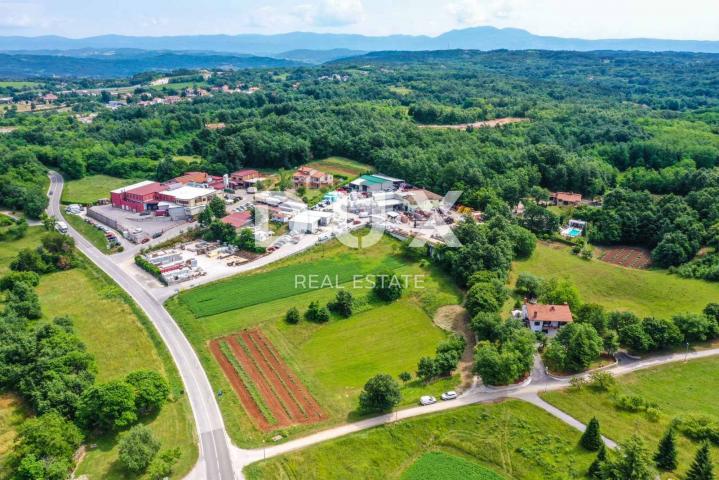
point(676, 389)
point(341, 166)
point(122, 340)
point(271, 394)
point(9, 249)
point(497, 122)
point(92, 188)
point(332, 360)
point(513, 438)
point(643, 292)
point(630, 257)
point(18, 84)
point(12, 414)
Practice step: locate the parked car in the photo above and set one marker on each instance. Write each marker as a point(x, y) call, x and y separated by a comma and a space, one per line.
point(451, 395)
point(427, 400)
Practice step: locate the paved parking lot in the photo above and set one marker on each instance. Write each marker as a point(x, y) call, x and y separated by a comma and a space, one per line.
point(148, 223)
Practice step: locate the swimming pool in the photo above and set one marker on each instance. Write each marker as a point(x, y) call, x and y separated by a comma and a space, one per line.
point(572, 232)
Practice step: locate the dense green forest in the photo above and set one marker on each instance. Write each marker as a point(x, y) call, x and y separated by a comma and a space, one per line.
point(640, 128)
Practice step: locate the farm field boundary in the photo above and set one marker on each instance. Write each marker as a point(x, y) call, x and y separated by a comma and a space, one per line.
point(269, 391)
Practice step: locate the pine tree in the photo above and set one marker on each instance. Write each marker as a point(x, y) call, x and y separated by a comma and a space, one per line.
point(633, 462)
point(666, 456)
point(701, 468)
point(591, 438)
point(595, 469)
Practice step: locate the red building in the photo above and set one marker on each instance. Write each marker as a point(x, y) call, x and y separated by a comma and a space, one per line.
point(136, 197)
point(240, 178)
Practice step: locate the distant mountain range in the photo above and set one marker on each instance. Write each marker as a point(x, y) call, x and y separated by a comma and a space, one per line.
point(479, 38)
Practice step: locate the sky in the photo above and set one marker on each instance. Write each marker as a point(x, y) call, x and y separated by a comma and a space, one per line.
point(686, 19)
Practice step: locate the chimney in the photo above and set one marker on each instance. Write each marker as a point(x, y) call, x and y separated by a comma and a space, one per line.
point(535, 314)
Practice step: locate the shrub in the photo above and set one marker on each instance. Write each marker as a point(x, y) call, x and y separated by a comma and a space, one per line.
point(292, 316)
point(602, 381)
point(8, 281)
point(137, 449)
point(632, 403)
point(699, 427)
point(343, 303)
point(153, 270)
point(387, 287)
point(317, 314)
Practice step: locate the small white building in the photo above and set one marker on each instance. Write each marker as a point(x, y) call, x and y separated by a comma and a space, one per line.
point(309, 221)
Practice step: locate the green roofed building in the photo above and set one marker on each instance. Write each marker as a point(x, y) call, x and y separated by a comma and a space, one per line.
point(375, 183)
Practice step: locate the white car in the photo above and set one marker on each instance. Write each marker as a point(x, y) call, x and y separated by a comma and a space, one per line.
point(451, 395)
point(427, 400)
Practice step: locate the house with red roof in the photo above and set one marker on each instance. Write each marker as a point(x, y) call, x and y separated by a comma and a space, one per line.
point(242, 178)
point(311, 178)
point(566, 198)
point(547, 319)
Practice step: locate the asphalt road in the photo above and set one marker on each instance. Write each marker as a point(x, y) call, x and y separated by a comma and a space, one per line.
point(215, 462)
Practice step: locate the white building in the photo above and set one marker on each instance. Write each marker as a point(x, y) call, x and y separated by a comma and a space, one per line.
point(309, 221)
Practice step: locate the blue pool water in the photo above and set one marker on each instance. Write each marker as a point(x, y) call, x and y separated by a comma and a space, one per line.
point(574, 232)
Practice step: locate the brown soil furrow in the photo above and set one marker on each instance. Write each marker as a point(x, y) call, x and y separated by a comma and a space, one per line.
point(252, 409)
point(260, 383)
point(310, 405)
point(273, 375)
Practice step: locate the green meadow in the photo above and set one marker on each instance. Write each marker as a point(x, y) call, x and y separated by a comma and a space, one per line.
point(334, 359)
point(512, 438)
point(643, 292)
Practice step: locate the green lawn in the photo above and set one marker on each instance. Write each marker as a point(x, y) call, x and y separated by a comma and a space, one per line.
point(679, 388)
point(334, 360)
point(513, 438)
point(644, 292)
point(122, 340)
point(442, 466)
point(92, 188)
point(95, 236)
point(12, 414)
point(18, 84)
point(341, 166)
point(9, 249)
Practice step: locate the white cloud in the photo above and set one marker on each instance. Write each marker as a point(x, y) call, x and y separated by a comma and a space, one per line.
point(478, 12)
point(331, 13)
point(18, 15)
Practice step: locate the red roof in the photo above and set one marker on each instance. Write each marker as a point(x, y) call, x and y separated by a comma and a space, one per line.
point(245, 172)
point(549, 313)
point(237, 219)
point(147, 189)
point(568, 197)
point(192, 177)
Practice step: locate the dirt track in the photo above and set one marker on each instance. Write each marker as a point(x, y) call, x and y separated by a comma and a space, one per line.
point(280, 391)
point(630, 257)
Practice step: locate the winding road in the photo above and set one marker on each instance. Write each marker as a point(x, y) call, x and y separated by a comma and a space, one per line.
point(215, 462)
point(220, 460)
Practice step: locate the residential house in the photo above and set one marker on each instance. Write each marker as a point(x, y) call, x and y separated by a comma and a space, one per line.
point(243, 178)
point(565, 198)
point(311, 178)
point(547, 319)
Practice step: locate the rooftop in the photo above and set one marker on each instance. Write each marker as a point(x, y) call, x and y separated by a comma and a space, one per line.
point(142, 188)
point(192, 177)
point(189, 193)
point(237, 219)
point(568, 197)
point(549, 313)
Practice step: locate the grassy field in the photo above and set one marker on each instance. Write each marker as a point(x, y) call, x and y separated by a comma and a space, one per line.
point(402, 91)
point(90, 189)
point(677, 389)
point(513, 438)
point(95, 236)
point(19, 84)
point(122, 340)
point(443, 466)
point(643, 292)
point(12, 414)
point(341, 166)
point(334, 360)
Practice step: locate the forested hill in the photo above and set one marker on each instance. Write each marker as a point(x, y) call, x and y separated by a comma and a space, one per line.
point(31, 66)
point(639, 129)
